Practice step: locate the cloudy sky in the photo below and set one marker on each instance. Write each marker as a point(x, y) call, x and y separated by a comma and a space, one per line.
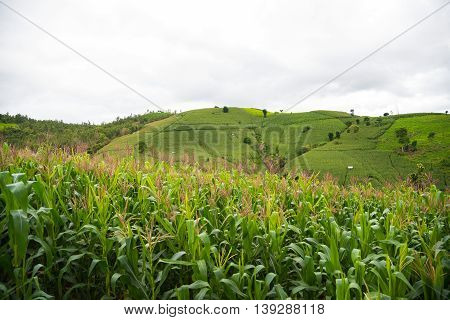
point(191, 54)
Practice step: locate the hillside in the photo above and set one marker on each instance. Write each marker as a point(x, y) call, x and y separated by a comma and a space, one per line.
point(22, 131)
point(291, 141)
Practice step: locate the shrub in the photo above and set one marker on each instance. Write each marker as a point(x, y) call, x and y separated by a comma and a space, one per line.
point(354, 128)
point(225, 109)
point(247, 140)
point(302, 150)
point(306, 129)
point(330, 135)
point(142, 146)
point(264, 113)
point(338, 135)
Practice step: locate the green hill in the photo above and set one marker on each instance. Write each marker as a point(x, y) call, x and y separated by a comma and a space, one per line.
point(292, 141)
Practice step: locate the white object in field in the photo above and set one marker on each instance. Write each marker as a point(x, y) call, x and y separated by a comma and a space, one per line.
point(350, 167)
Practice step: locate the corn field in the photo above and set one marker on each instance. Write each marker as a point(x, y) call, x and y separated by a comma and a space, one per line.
point(77, 227)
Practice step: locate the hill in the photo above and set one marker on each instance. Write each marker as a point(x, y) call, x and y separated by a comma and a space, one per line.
point(291, 141)
point(22, 131)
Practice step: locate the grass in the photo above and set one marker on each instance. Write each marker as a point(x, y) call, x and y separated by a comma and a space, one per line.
point(300, 139)
point(430, 149)
point(77, 227)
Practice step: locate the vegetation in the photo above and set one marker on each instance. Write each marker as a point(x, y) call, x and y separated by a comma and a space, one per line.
point(297, 141)
point(22, 131)
point(330, 136)
point(73, 226)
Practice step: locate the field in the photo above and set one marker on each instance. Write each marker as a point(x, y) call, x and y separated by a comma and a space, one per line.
point(283, 142)
point(74, 226)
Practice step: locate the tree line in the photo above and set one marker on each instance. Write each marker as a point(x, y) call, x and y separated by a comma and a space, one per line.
point(32, 133)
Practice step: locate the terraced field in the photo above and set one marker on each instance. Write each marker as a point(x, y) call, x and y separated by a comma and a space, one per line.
point(299, 140)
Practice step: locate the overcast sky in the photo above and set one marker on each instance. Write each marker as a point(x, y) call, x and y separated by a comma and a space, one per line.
point(192, 54)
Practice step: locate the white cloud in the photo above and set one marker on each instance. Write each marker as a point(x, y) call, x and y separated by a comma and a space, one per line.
point(190, 54)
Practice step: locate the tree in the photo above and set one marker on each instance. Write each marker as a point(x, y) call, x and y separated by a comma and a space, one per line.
point(225, 109)
point(403, 139)
point(265, 113)
point(352, 112)
point(378, 122)
point(338, 135)
point(357, 121)
point(142, 146)
point(446, 111)
point(354, 128)
point(330, 135)
point(401, 132)
point(385, 114)
point(247, 140)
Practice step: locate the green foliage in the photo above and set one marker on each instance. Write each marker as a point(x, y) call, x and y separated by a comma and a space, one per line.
point(247, 140)
point(22, 131)
point(142, 146)
point(77, 227)
point(330, 136)
point(225, 109)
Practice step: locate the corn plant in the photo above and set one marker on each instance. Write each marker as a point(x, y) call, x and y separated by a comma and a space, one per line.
point(74, 226)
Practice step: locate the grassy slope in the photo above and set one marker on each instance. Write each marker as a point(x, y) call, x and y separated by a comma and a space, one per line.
point(209, 133)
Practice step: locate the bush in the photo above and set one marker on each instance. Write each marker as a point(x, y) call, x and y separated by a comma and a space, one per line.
point(247, 140)
point(379, 122)
point(338, 135)
point(353, 128)
point(306, 129)
point(265, 113)
point(142, 146)
point(431, 135)
point(225, 109)
point(330, 135)
point(302, 150)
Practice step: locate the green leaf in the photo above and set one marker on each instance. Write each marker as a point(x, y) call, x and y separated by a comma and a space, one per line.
point(230, 284)
point(18, 230)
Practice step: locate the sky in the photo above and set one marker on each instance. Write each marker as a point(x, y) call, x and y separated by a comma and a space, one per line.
point(185, 55)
